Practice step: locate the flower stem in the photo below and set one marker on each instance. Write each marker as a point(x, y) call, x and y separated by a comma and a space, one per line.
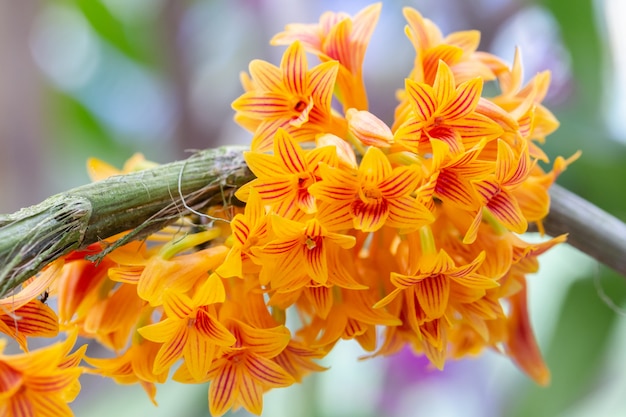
point(143, 202)
point(591, 230)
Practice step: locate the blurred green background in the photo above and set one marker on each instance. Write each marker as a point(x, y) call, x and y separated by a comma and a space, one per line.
point(108, 78)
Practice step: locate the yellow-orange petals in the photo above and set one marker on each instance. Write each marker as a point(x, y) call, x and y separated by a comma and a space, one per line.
point(446, 113)
point(344, 39)
point(248, 230)
point(134, 366)
point(283, 179)
point(290, 97)
point(369, 129)
point(299, 253)
point(431, 284)
point(179, 273)
point(191, 329)
point(496, 191)
point(34, 319)
point(246, 370)
point(41, 382)
point(521, 344)
point(375, 195)
point(457, 50)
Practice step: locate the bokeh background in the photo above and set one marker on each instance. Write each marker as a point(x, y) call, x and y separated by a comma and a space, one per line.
point(108, 78)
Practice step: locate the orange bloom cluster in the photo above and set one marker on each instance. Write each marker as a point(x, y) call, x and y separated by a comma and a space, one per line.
point(390, 234)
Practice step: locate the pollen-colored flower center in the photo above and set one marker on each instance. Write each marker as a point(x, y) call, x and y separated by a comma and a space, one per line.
point(370, 194)
point(312, 242)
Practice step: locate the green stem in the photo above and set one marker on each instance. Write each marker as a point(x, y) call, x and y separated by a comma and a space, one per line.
point(143, 201)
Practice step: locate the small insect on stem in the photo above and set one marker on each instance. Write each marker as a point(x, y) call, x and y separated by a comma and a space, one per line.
point(44, 296)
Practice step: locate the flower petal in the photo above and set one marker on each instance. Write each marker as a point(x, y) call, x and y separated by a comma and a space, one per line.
point(222, 391)
point(422, 98)
point(294, 67)
point(267, 372)
point(267, 77)
point(432, 294)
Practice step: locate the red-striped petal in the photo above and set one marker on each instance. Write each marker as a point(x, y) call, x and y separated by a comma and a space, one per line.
point(294, 66)
point(433, 294)
point(267, 77)
point(468, 94)
point(423, 99)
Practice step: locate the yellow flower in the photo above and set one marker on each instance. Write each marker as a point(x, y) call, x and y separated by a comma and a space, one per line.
point(243, 372)
point(41, 382)
point(283, 179)
point(444, 113)
point(375, 195)
point(290, 97)
point(191, 329)
point(299, 253)
point(344, 39)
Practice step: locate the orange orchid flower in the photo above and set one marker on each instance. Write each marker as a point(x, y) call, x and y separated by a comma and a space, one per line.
point(341, 38)
point(446, 113)
point(191, 329)
point(375, 195)
point(283, 179)
point(289, 97)
point(41, 382)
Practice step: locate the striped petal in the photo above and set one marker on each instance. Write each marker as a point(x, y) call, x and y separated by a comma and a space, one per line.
point(336, 185)
point(321, 298)
point(211, 329)
point(449, 136)
point(177, 305)
point(504, 207)
point(171, 350)
point(475, 127)
point(371, 216)
point(267, 372)
point(444, 85)
point(289, 152)
point(274, 190)
point(467, 96)
point(251, 395)
point(410, 134)
point(267, 77)
point(316, 263)
point(432, 294)
point(199, 353)
point(407, 214)
point(294, 67)
point(263, 139)
point(223, 388)
point(374, 168)
point(402, 181)
point(267, 105)
point(263, 165)
point(423, 99)
point(265, 342)
point(454, 190)
point(322, 82)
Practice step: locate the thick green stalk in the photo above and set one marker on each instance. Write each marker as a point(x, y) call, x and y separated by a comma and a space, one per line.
point(142, 201)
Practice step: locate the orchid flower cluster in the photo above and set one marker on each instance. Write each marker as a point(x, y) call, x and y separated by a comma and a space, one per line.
point(394, 235)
